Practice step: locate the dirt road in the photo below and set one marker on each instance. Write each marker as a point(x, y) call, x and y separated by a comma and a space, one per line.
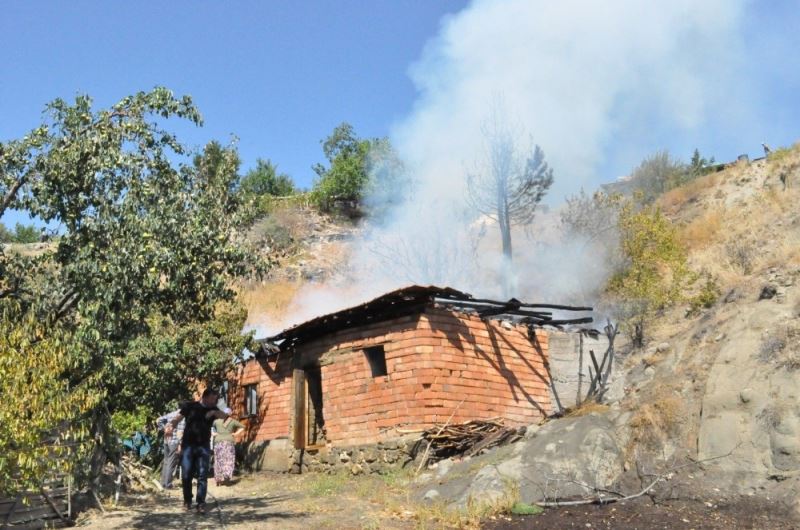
point(290, 502)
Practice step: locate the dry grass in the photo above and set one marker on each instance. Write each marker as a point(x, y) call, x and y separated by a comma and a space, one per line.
point(270, 300)
point(586, 408)
point(654, 358)
point(676, 198)
point(784, 155)
point(703, 230)
point(656, 420)
point(440, 515)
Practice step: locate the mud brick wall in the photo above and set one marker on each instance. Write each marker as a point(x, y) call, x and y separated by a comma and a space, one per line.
point(434, 360)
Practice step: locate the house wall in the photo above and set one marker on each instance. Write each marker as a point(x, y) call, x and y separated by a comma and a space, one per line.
point(570, 364)
point(439, 363)
point(274, 380)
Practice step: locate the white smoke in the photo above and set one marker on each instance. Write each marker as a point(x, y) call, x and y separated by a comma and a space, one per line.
point(592, 83)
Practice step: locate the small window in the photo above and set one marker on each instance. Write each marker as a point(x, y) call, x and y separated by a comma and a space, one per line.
point(377, 360)
point(251, 400)
point(222, 402)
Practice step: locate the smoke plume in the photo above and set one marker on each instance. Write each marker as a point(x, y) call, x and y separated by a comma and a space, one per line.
point(597, 85)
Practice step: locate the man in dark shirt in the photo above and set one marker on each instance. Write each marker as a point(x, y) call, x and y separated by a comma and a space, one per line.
point(196, 444)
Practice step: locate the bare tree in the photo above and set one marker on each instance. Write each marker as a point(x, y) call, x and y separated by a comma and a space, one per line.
point(508, 184)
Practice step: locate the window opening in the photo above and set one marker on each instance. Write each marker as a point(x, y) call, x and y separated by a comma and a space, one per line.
point(377, 360)
point(222, 402)
point(251, 400)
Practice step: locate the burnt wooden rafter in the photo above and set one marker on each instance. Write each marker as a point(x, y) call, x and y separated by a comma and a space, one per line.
point(414, 300)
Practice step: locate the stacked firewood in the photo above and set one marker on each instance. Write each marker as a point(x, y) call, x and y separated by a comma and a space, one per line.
point(468, 439)
point(136, 477)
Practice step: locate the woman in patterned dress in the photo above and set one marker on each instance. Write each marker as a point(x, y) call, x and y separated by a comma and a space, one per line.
point(225, 448)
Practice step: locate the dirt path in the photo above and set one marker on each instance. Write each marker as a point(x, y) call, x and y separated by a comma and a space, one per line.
point(266, 501)
point(345, 502)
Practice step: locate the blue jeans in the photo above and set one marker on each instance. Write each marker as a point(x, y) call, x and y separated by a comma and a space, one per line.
point(195, 458)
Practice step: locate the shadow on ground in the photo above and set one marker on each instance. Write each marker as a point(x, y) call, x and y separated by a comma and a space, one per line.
point(223, 512)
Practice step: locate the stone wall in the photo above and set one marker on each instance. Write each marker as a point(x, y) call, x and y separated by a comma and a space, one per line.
point(280, 456)
point(569, 364)
point(362, 459)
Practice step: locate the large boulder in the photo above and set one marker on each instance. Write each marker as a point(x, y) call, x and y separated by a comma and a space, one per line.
point(563, 458)
point(570, 457)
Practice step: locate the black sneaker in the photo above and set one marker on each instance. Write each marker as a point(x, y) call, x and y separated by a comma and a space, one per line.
point(201, 509)
point(187, 507)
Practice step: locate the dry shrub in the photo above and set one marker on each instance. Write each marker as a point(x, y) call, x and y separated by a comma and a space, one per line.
point(657, 420)
point(781, 348)
point(741, 253)
point(294, 220)
point(771, 347)
point(586, 408)
point(674, 199)
point(702, 230)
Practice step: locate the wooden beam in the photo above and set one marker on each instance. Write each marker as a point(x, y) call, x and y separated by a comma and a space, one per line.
point(299, 381)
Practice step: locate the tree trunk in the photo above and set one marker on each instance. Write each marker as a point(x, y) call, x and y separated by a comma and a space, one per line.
point(104, 445)
point(505, 234)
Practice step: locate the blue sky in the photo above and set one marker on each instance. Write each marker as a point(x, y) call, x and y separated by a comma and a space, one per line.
point(281, 75)
point(278, 75)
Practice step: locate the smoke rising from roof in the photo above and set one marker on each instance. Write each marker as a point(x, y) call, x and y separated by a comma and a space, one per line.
point(592, 83)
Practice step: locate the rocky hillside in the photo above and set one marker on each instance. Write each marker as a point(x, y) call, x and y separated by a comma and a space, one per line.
point(710, 405)
point(310, 249)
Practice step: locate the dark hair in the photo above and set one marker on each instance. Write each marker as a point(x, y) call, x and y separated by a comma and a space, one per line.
point(210, 392)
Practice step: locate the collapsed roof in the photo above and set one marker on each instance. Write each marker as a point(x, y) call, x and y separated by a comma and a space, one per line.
point(412, 300)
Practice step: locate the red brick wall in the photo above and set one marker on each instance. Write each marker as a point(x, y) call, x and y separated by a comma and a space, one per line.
point(274, 380)
point(434, 360)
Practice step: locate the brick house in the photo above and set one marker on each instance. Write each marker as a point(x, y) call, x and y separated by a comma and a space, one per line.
point(404, 361)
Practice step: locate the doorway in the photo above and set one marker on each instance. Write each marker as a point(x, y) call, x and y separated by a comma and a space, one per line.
point(309, 418)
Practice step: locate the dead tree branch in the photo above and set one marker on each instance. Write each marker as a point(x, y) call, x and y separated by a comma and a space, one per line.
point(659, 477)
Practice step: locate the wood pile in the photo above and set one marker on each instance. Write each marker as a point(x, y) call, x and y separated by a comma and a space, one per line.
point(468, 439)
point(135, 476)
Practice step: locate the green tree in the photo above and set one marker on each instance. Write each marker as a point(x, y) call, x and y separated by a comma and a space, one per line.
point(143, 234)
point(6, 236)
point(655, 272)
point(153, 373)
point(217, 162)
point(358, 168)
point(265, 179)
point(42, 414)
point(26, 234)
point(698, 165)
point(347, 175)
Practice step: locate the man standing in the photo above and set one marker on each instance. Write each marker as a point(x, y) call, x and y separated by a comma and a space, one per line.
point(171, 447)
point(196, 444)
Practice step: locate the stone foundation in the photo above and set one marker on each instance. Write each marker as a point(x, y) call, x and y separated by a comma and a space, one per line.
point(272, 455)
point(372, 458)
